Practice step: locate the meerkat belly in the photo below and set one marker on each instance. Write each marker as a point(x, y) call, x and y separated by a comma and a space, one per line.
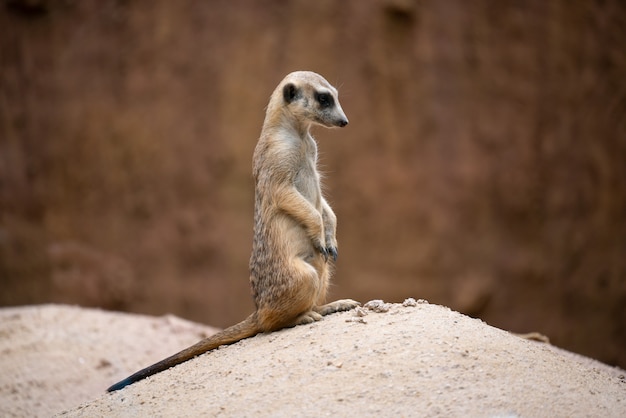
point(296, 242)
point(307, 182)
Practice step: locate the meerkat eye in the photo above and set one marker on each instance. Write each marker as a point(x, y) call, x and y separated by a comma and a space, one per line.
point(325, 100)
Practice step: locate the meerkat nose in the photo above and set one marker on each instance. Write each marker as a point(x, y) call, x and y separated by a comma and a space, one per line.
point(342, 122)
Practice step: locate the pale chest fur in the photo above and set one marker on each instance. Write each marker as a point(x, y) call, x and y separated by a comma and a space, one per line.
point(307, 178)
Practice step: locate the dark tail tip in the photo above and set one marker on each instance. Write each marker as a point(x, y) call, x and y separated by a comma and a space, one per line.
point(120, 385)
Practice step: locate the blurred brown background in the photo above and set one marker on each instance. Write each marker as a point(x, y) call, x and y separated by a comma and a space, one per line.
point(484, 166)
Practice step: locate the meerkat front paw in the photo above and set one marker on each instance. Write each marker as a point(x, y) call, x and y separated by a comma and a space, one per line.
point(327, 252)
point(331, 244)
point(323, 251)
point(332, 251)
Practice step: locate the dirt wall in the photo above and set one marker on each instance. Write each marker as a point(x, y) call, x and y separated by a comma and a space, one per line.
point(483, 167)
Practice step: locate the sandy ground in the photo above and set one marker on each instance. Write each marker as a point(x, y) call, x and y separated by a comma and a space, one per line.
point(386, 360)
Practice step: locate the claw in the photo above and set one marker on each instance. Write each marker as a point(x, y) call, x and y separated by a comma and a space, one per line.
point(332, 251)
point(323, 251)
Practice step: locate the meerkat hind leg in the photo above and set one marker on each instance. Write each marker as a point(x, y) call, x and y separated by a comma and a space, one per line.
point(336, 306)
point(308, 318)
point(319, 311)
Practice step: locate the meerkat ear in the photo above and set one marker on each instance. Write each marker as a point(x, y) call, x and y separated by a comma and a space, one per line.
point(290, 92)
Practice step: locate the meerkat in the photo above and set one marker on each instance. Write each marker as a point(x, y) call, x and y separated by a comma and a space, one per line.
point(294, 226)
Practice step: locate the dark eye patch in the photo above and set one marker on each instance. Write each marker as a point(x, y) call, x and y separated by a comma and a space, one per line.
point(325, 100)
point(290, 93)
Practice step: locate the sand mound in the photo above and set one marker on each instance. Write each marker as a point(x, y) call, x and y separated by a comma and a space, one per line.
point(55, 357)
point(389, 360)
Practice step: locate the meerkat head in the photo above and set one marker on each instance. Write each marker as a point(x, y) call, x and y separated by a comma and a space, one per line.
point(310, 99)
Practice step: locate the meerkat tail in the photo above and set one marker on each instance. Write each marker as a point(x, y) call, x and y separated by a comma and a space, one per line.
point(245, 329)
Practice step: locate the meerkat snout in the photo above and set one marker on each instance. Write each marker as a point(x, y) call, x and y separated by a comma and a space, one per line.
point(340, 120)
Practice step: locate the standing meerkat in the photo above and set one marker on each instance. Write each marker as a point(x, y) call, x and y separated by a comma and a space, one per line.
point(294, 227)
